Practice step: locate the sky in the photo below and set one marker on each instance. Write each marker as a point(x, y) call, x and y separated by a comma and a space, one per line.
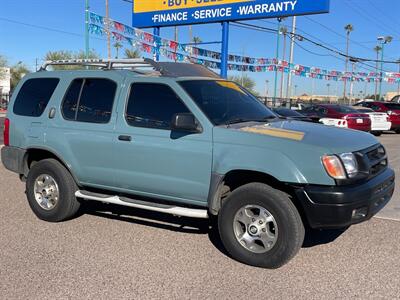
point(29, 29)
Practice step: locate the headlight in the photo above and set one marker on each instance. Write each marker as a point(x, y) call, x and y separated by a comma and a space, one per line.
point(350, 164)
point(339, 167)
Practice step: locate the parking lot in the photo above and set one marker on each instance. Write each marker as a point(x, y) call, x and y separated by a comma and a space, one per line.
point(123, 253)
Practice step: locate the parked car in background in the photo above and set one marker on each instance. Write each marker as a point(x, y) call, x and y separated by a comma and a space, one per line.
point(339, 116)
point(379, 121)
point(300, 106)
point(290, 114)
point(396, 99)
point(391, 108)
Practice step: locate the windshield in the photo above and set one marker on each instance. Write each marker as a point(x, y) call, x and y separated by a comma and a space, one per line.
point(394, 106)
point(225, 102)
point(286, 112)
point(345, 109)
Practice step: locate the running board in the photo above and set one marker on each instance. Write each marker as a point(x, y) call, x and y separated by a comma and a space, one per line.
point(168, 209)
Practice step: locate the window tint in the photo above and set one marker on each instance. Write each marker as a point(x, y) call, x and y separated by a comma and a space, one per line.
point(71, 99)
point(224, 101)
point(34, 96)
point(93, 98)
point(153, 106)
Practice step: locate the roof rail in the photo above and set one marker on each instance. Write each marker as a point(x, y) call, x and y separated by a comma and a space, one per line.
point(138, 65)
point(103, 63)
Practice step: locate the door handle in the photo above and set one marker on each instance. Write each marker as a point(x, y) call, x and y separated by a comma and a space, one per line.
point(125, 138)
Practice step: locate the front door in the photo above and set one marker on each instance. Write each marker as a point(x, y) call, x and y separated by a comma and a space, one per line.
point(152, 159)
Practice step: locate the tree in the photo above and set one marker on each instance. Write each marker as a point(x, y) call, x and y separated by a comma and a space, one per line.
point(17, 72)
point(247, 82)
point(117, 46)
point(68, 55)
point(3, 64)
point(132, 53)
point(196, 40)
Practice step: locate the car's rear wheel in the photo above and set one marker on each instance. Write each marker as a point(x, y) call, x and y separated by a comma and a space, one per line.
point(260, 226)
point(397, 130)
point(376, 133)
point(50, 190)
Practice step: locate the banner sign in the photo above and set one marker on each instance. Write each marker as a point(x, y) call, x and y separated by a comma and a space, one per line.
point(159, 13)
point(172, 50)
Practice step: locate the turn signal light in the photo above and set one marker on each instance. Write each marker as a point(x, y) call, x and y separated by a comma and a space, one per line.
point(334, 167)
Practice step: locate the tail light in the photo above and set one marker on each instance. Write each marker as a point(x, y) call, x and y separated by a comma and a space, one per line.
point(6, 132)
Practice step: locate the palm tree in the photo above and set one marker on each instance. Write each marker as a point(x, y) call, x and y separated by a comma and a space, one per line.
point(196, 40)
point(17, 72)
point(132, 53)
point(377, 49)
point(349, 29)
point(117, 46)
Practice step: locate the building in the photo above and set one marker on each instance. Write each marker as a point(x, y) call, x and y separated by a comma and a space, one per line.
point(390, 95)
point(321, 98)
point(5, 84)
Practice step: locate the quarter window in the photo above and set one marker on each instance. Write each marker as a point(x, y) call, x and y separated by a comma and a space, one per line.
point(34, 96)
point(153, 105)
point(89, 100)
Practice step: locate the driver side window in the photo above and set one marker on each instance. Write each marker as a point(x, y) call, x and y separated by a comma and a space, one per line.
point(152, 105)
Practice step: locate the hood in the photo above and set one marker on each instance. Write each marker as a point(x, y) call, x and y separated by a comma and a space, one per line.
point(333, 139)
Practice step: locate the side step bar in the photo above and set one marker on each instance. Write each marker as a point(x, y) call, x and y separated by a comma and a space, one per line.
point(168, 209)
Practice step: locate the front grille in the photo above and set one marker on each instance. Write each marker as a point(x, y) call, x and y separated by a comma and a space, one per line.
point(373, 160)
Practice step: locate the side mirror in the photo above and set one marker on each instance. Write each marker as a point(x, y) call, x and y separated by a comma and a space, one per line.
point(185, 122)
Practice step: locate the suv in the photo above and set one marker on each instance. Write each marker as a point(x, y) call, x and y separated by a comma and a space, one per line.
point(178, 139)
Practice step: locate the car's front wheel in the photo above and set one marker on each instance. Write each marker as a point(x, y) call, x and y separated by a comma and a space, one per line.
point(50, 190)
point(260, 226)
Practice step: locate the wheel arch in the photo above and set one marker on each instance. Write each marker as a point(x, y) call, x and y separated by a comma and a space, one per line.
point(223, 184)
point(36, 154)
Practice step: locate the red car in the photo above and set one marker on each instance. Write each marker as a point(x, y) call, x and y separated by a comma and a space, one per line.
point(353, 118)
point(391, 108)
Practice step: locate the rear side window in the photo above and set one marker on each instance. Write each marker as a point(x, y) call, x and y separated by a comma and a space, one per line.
point(153, 105)
point(89, 100)
point(34, 96)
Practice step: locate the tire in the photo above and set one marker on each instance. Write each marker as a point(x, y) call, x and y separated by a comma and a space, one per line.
point(289, 235)
point(397, 131)
point(377, 133)
point(44, 174)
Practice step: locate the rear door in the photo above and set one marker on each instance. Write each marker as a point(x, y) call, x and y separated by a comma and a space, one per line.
point(82, 130)
point(152, 159)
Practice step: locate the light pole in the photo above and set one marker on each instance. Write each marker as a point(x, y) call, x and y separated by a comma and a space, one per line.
point(328, 85)
point(383, 40)
point(349, 28)
point(377, 49)
point(353, 63)
point(277, 59)
point(284, 32)
point(86, 29)
point(289, 79)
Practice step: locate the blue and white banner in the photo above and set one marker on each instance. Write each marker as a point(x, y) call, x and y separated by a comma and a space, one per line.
point(158, 13)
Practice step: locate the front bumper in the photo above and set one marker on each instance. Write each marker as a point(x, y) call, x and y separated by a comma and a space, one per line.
point(341, 206)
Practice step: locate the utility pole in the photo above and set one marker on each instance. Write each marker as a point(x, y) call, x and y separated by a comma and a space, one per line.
point(176, 39)
point(284, 32)
point(190, 34)
point(87, 29)
point(377, 49)
point(291, 57)
point(398, 84)
point(277, 60)
point(349, 28)
point(108, 31)
point(383, 40)
point(353, 62)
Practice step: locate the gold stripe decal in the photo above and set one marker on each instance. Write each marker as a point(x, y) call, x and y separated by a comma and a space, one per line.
point(276, 132)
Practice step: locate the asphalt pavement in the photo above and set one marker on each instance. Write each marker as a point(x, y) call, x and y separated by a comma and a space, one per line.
point(115, 252)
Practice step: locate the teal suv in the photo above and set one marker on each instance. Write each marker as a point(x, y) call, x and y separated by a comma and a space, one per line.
point(175, 138)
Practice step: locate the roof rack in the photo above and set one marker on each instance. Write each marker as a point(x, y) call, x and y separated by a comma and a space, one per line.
point(139, 65)
point(103, 63)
